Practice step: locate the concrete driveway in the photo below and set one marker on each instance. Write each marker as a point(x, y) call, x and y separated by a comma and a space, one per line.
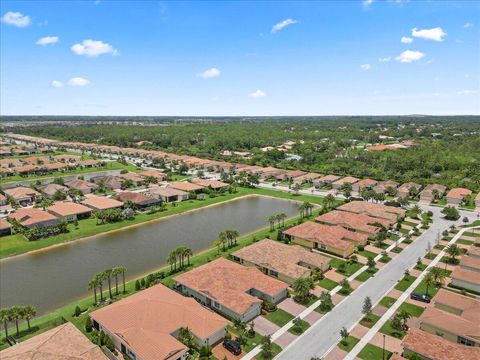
point(290, 306)
point(264, 327)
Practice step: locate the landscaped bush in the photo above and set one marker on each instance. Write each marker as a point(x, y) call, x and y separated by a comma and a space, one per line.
point(43, 232)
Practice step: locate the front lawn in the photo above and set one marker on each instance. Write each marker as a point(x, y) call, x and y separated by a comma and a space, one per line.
point(405, 283)
point(367, 274)
point(349, 344)
point(372, 352)
point(389, 330)
point(327, 284)
point(367, 254)
point(387, 301)
point(299, 327)
point(465, 242)
point(412, 309)
point(370, 321)
point(275, 350)
point(279, 317)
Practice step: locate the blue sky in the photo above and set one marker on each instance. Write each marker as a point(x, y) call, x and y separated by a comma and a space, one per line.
point(240, 58)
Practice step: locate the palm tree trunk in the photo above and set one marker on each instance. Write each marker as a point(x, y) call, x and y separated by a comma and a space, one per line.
point(116, 284)
point(28, 323)
point(95, 294)
point(123, 276)
point(188, 260)
point(110, 287)
point(101, 293)
point(5, 325)
point(16, 324)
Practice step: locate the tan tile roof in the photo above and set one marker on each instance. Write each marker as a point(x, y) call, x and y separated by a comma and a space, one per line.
point(31, 216)
point(132, 176)
point(372, 209)
point(135, 197)
point(458, 193)
point(89, 162)
point(102, 203)
point(360, 222)
point(227, 283)
point(26, 168)
point(67, 208)
point(211, 183)
point(186, 186)
point(4, 224)
point(51, 189)
point(437, 348)
point(466, 275)
point(146, 320)
point(55, 166)
point(405, 188)
point(365, 182)
point(474, 250)
point(80, 184)
point(294, 173)
point(166, 191)
point(282, 258)
point(156, 174)
point(471, 262)
point(21, 192)
point(346, 180)
point(332, 235)
point(329, 178)
point(469, 307)
point(65, 342)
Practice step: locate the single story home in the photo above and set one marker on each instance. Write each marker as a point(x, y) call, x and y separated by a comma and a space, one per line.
point(34, 217)
point(364, 184)
point(290, 175)
point(456, 196)
point(379, 211)
point(466, 279)
point(98, 203)
point(67, 158)
point(432, 192)
point(429, 346)
point(383, 186)
point(406, 190)
point(330, 238)
point(135, 178)
point(211, 183)
point(325, 180)
point(84, 186)
point(3, 200)
point(23, 195)
point(231, 289)
point(454, 317)
point(343, 181)
point(62, 342)
point(186, 186)
point(51, 189)
point(146, 325)
point(69, 211)
point(159, 176)
point(284, 262)
point(168, 194)
point(140, 200)
point(109, 181)
point(361, 223)
point(307, 178)
point(5, 227)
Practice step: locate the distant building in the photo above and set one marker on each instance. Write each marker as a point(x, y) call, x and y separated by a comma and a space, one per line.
point(33, 217)
point(456, 196)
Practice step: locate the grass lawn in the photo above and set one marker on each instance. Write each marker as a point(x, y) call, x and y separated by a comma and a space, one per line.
point(397, 249)
point(275, 350)
point(370, 321)
point(465, 242)
point(385, 259)
point(299, 327)
point(350, 342)
point(404, 231)
point(472, 234)
point(367, 274)
point(387, 329)
point(409, 223)
point(350, 268)
point(412, 309)
point(372, 352)
point(279, 317)
point(327, 284)
point(422, 289)
point(251, 342)
point(430, 256)
point(440, 247)
point(420, 267)
point(367, 253)
point(387, 301)
point(405, 283)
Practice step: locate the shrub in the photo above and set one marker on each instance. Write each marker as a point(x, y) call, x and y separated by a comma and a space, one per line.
point(78, 311)
point(88, 325)
point(137, 285)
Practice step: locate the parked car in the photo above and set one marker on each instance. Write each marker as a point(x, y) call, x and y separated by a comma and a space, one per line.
point(421, 297)
point(232, 346)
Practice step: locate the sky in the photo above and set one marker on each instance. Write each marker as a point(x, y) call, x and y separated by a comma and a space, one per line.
point(245, 58)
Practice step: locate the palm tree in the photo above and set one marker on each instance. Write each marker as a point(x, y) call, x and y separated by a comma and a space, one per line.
point(283, 216)
point(429, 281)
point(108, 275)
point(234, 235)
point(99, 280)
point(438, 275)
point(180, 254)
point(278, 218)
point(185, 336)
point(93, 285)
point(301, 209)
point(29, 313)
point(217, 244)
point(271, 219)
point(188, 252)
point(115, 272)
point(222, 238)
point(6, 317)
point(172, 261)
point(453, 251)
point(16, 313)
point(123, 270)
point(329, 200)
point(404, 316)
point(302, 286)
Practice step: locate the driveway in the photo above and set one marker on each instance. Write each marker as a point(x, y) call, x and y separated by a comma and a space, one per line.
point(325, 334)
point(264, 327)
point(290, 306)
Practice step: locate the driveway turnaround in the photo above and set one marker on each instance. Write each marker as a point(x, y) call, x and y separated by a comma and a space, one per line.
point(325, 334)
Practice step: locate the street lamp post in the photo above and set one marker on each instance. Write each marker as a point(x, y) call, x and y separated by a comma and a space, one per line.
point(383, 349)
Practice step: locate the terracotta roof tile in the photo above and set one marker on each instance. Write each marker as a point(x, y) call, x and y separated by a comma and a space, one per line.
point(354, 221)
point(374, 210)
point(67, 208)
point(102, 203)
point(458, 193)
point(186, 186)
point(32, 216)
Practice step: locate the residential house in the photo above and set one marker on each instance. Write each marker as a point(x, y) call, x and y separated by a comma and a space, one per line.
point(5, 227)
point(432, 347)
point(343, 181)
point(231, 289)
point(361, 223)
point(383, 186)
point(141, 201)
point(432, 192)
point(3, 200)
point(307, 178)
point(89, 163)
point(23, 195)
point(467, 274)
point(83, 186)
point(325, 180)
point(379, 211)
point(405, 190)
point(60, 343)
point(211, 184)
point(136, 179)
point(69, 211)
point(146, 325)
point(159, 176)
point(98, 203)
point(67, 158)
point(54, 166)
point(330, 238)
point(477, 201)
point(110, 182)
point(186, 186)
point(454, 317)
point(168, 194)
point(34, 217)
point(284, 262)
point(456, 196)
point(51, 189)
point(290, 175)
point(363, 184)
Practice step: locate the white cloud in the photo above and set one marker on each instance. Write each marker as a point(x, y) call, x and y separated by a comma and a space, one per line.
point(406, 39)
point(16, 19)
point(57, 84)
point(367, 3)
point(283, 24)
point(258, 94)
point(435, 34)
point(210, 73)
point(47, 40)
point(467, 25)
point(467, 92)
point(385, 59)
point(93, 48)
point(78, 81)
point(409, 56)
point(365, 67)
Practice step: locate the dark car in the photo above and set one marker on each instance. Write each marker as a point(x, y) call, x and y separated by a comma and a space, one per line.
point(232, 346)
point(421, 297)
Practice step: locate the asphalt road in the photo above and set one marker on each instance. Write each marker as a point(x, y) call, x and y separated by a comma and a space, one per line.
point(325, 334)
